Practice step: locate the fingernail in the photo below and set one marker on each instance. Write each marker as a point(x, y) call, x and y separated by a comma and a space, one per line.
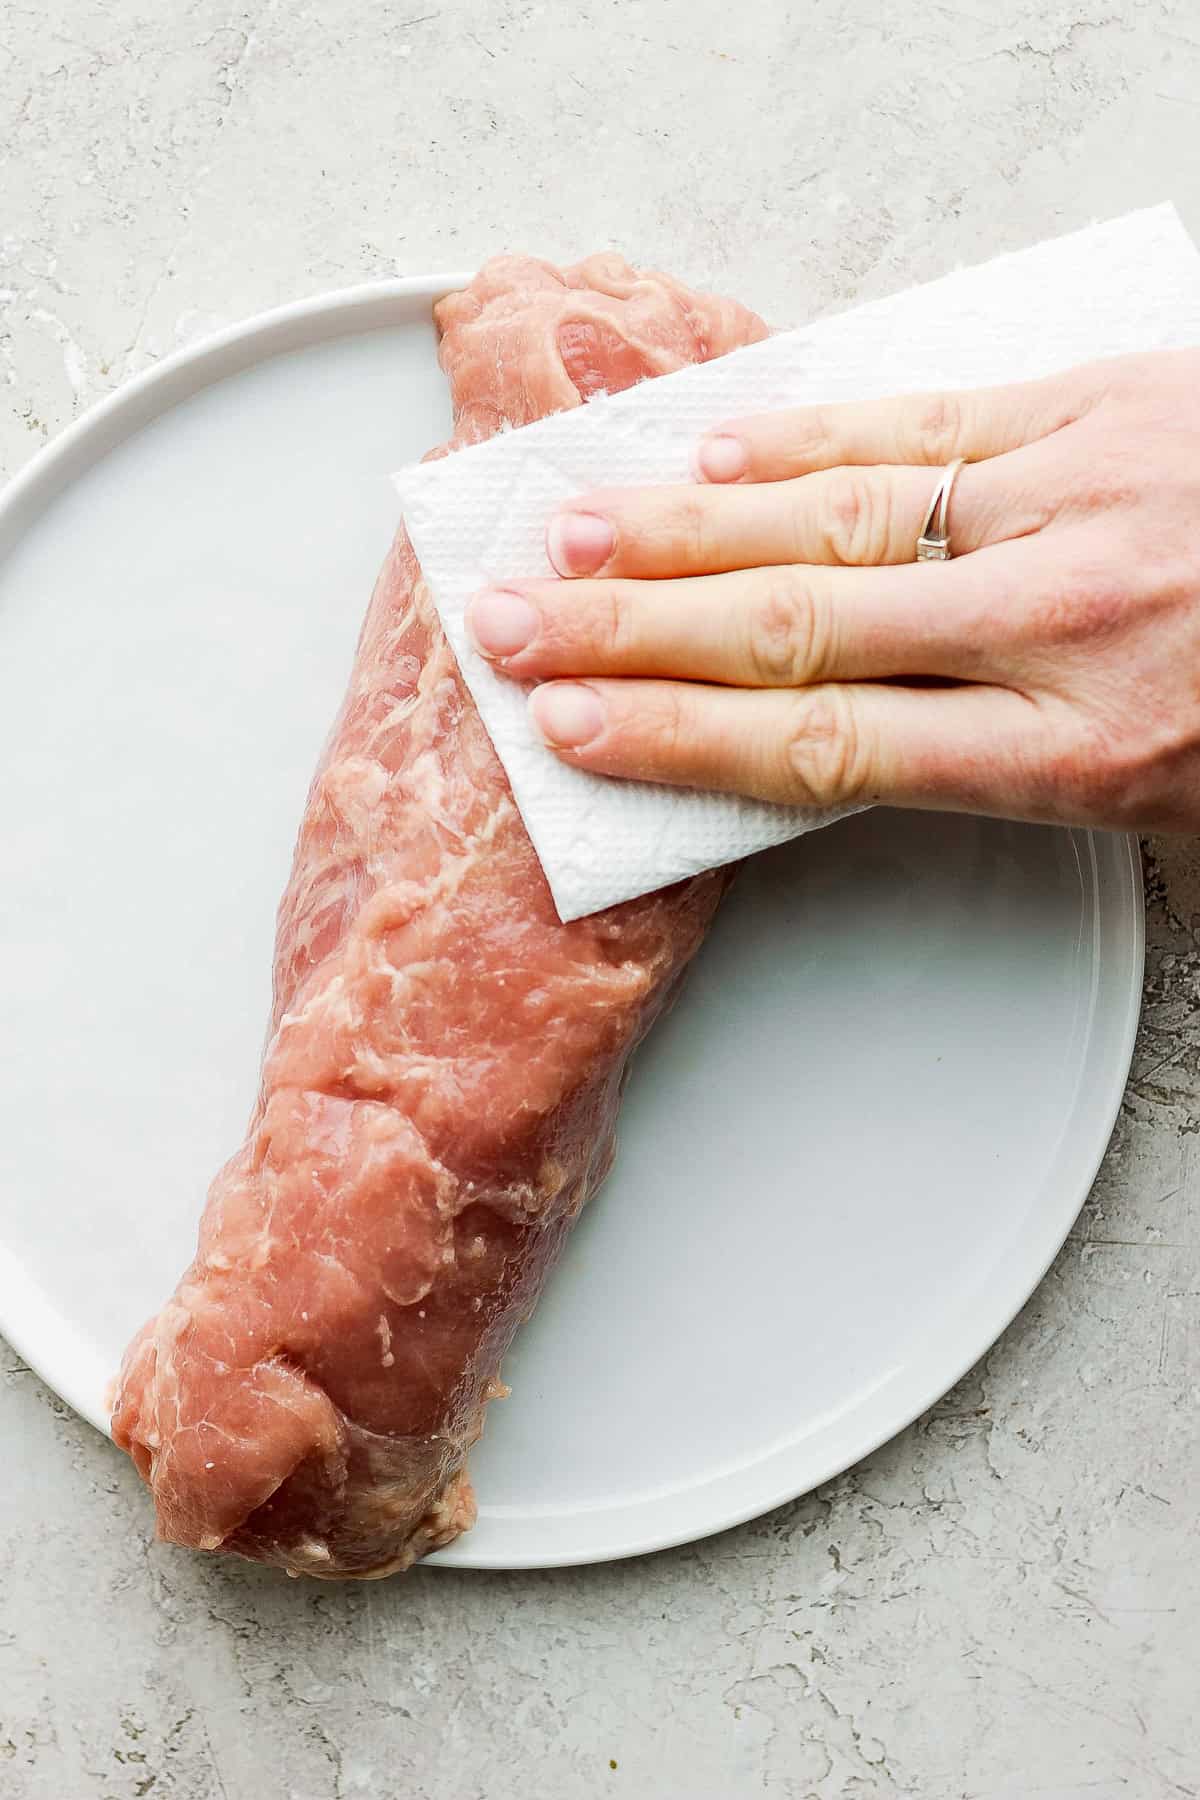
point(579, 543)
point(567, 715)
point(721, 458)
point(501, 623)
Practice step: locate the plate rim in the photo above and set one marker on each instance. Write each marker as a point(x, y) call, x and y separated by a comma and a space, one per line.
point(349, 311)
point(227, 350)
point(1126, 907)
point(82, 444)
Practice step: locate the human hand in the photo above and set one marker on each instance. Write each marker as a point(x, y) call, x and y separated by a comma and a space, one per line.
point(766, 631)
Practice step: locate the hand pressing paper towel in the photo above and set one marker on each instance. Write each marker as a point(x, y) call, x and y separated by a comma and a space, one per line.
point(479, 516)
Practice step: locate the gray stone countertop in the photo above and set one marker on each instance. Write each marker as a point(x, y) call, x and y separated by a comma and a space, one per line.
point(1003, 1602)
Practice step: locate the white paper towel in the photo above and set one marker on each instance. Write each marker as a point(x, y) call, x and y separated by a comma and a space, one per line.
point(480, 516)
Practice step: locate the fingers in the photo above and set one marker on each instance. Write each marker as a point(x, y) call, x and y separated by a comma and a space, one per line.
point(929, 429)
point(969, 748)
point(786, 626)
point(857, 516)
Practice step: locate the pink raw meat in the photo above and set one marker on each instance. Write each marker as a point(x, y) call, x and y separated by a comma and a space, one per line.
point(442, 1076)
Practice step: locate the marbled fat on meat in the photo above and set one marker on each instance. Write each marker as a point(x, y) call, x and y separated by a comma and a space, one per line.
point(441, 1081)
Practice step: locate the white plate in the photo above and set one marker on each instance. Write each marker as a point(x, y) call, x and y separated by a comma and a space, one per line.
point(848, 1155)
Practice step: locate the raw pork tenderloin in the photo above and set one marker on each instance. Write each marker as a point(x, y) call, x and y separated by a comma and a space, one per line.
point(443, 1069)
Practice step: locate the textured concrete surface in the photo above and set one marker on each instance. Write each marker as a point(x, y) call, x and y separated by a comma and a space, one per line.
point(1004, 1601)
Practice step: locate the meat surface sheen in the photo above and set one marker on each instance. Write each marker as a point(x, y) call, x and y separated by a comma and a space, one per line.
point(443, 1069)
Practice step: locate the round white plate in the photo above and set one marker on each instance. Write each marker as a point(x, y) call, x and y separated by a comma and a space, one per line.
point(847, 1156)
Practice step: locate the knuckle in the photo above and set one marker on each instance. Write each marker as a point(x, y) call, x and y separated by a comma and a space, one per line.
point(1105, 480)
point(828, 763)
point(1088, 605)
point(854, 523)
point(1085, 393)
point(1091, 774)
point(789, 631)
point(813, 439)
point(937, 429)
point(646, 735)
point(663, 723)
point(1078, 776)
point(1119, 770)
point(685, 535)
point(1115, 377)
point(614, 626)
point(1097, 769)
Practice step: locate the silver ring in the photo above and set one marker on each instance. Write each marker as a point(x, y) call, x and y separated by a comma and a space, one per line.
point(933, 545)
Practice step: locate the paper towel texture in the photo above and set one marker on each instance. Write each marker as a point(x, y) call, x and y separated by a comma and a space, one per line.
point(479, 516)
